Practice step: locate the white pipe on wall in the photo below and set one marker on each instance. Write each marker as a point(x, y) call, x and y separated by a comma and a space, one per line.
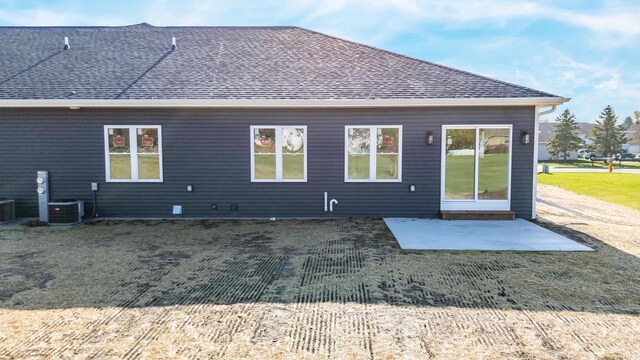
point(553, 108)
point(331, 203)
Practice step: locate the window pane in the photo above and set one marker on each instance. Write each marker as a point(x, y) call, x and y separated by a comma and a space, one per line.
point(120, 167)
point(147, 140)
point(264, 141)
point(387, 167)
point(292, 141)
point(265, 167)
point(119, 140)
point(388, 140)
point(359, 141)
point(459, 164)
point(149, 167)
point(293, 167)
point(358, 167)
point(493, 164)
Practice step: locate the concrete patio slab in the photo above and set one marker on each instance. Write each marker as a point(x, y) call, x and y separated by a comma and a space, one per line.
point(516, 235)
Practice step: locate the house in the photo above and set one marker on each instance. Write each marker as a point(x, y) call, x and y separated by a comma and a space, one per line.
point(546, 130)
point(633, 135)
point(254, 122)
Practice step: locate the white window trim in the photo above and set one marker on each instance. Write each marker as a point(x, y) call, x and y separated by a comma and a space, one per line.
point(373, 158)
point(475, 204)
point(133, 151)
point(278, 144)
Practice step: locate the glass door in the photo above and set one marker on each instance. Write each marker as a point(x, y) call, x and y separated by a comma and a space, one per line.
point(476, 167)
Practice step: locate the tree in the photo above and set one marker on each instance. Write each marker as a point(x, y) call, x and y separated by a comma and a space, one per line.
point(607, 135)
point(636, 117)
point(628, 121)
point(565, 136)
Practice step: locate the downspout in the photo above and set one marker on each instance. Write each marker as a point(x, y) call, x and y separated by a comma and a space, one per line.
point(535, 156)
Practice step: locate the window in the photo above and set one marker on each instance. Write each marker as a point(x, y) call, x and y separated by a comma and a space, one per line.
point(278, 153)
point(133, 153)
point(378, 161)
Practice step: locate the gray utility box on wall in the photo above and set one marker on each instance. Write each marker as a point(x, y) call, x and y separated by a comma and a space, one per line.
point(66, 212)
point(7, 211)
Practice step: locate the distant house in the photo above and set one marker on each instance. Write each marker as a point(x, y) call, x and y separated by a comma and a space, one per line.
point(255, 122)
point(545, 132)
point(634, 139)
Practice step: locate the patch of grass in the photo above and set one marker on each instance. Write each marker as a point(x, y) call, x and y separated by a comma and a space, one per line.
point(623, 189)
point(292, 167)
point(120, 166)
point(387, 166)
point(265, 166)
point(148, 166)
point(492, 180)
point(588, 164)
point(359, 166)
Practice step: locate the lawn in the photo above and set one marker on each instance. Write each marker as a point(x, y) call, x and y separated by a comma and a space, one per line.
point(588, 164)
point(492, 176)
point(148, 167)
point(387, 167)
point(292, 167)
point(623, 189)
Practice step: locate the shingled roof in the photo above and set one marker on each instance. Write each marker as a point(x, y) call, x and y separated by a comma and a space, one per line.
point(267, 63)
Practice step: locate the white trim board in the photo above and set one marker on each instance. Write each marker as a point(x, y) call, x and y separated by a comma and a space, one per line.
point(474, 204)
point(373, 154)
point(278, 152)
point(279, 103)
point(133, 153)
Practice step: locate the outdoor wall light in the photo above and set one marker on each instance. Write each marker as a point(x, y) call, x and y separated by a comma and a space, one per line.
point(526, 138)
point(429, 138)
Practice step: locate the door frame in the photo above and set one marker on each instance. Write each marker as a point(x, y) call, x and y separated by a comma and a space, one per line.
point(475, 204)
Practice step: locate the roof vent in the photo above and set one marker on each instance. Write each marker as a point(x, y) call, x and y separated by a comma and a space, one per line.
point(173, 44)
point(66, 44)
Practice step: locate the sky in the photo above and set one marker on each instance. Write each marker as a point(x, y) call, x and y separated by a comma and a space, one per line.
point(587, 50)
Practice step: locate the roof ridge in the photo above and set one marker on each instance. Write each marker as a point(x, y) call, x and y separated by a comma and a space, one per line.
point(427, 62)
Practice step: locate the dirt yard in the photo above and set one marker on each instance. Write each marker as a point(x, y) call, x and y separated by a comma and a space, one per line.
point(318, 289)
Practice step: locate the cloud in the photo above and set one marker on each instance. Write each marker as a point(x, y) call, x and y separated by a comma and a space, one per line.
point(610, 19)
point(626, 23)
point(35, 17)
point(185, 12)
point(617, 20)
point(46, 17)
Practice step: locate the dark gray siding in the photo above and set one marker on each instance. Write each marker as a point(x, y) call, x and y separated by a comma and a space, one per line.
point(209, 149)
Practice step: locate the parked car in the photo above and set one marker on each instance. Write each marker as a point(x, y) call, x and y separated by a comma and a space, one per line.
point(593, 155)
point(583, 154)
point(598, 156)
point(624, 157)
